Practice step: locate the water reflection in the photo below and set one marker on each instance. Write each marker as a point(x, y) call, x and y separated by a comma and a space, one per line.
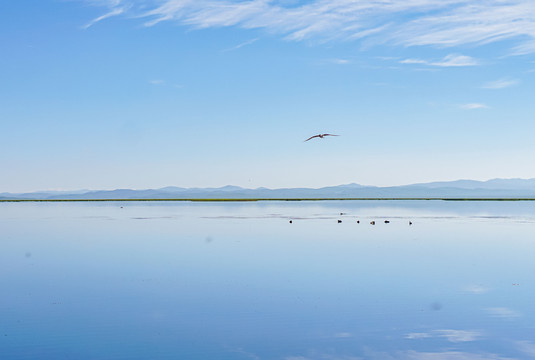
point(238, 281)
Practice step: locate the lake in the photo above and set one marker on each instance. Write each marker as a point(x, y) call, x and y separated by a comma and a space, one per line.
point(237, 280)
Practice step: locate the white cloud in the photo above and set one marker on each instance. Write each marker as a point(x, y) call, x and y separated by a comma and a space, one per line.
point(451, 60)
point(473, 106)
point(451, 355)
point(107, 3)
point(503, 312)
point(343, 335)
point(157, 82)
point(245, 43)
point(456, 60)
point(414, 61)
point(456, 336)
point(451, 335)
point(445, 23)
point(112, 12)
point(413, 336)
point(500, 84)
point(339, 61)
point(406, 355)
point(526, 347)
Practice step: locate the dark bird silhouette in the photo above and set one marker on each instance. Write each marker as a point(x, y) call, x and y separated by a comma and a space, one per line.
point(321, 136)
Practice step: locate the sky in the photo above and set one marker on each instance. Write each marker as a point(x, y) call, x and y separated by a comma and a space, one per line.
point(106, 94)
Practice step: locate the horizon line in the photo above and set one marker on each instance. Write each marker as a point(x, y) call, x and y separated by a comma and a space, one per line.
point(260, 187)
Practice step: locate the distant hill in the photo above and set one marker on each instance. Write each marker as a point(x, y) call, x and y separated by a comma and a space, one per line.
point(495, 188)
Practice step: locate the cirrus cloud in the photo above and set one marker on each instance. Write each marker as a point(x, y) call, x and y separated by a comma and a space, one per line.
point(451, 60)
point(474, 106)
point(444, 23)
point(451, 335)
point(500, 84)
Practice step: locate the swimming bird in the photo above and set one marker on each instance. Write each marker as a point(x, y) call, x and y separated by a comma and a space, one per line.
point(321, 136)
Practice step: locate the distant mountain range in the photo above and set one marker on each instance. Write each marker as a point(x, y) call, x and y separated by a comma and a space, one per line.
point(496, 188)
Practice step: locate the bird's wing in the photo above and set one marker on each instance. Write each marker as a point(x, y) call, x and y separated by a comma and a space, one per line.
point(312, 137)
point(330, 135)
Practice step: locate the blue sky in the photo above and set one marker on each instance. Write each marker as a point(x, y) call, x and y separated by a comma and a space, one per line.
point(104, 94)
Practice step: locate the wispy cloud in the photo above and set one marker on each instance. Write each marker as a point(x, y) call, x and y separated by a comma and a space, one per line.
point(474, 106)
point(413, 336)
point(456, 60)
point(503, 312)
point(414, 61)
point(450, 355)
point(160, 82)
point(500, 84)
point(451, 60)
point(342, 335)
point(406, 355)
point(444, 23)
point(476, 289)
point(338, 61)
point(456, 336)
point(245, 43)
point(115, 9)
point(451, 335)
point(113, 12)
point(526, 347)
point(244, 353)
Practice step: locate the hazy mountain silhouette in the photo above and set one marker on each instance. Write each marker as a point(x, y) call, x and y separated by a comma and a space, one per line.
point(495, 188)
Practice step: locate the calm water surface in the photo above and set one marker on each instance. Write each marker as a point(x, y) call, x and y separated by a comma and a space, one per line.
point(153, 280)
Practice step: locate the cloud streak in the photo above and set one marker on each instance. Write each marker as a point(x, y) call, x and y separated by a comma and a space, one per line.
point(454, 336)
point(503, 313)
point(113, 12)
point(500, 84)
point(113, 5)
point(239, 46)
point(410, 355)
point(452, 60)
point(474, 106)
point(444, 23)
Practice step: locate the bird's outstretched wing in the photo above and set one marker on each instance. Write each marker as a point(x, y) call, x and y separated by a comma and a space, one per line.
point(330, 135)
point(312, 137)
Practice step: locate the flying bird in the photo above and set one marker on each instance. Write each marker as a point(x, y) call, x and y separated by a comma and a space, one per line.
point(321, 136)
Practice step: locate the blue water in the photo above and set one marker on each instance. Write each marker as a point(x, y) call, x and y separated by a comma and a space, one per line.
point(178, 280)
